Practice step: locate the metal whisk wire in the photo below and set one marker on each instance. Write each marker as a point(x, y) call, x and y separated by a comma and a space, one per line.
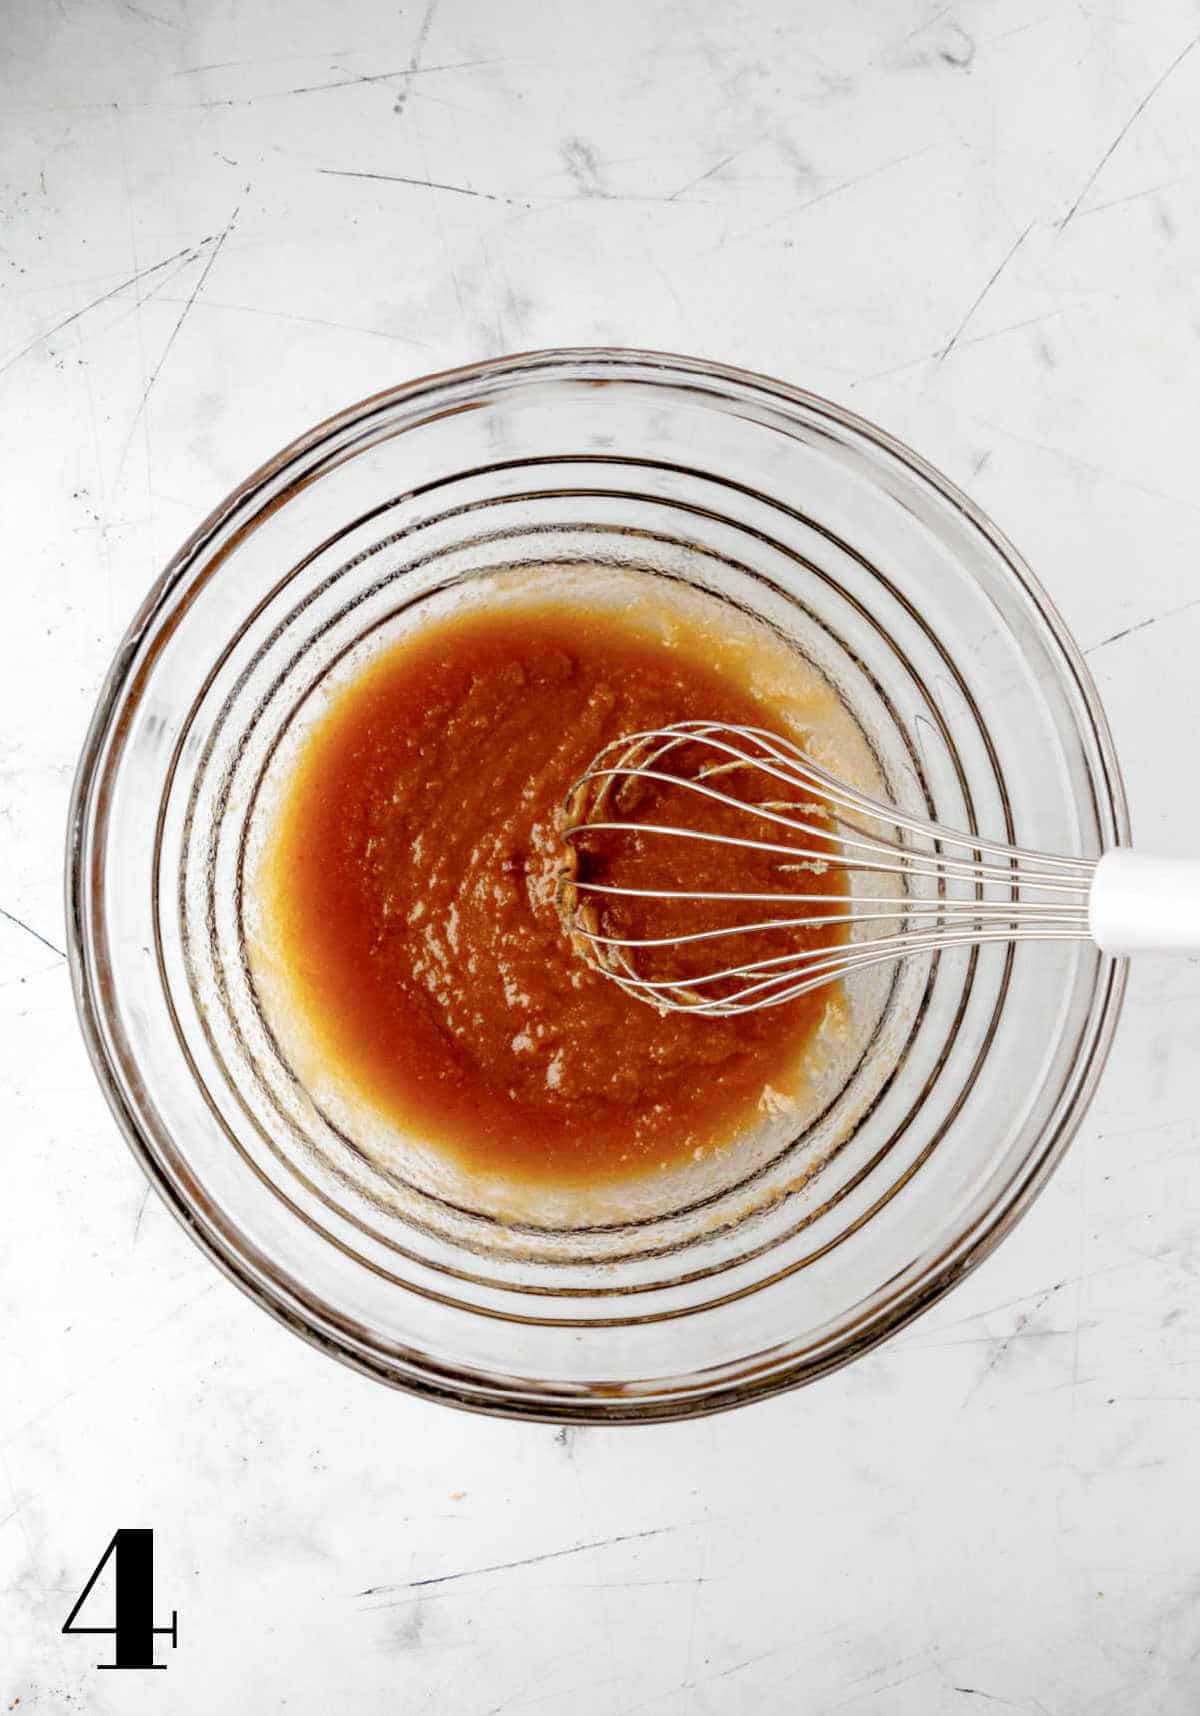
point(943, 883)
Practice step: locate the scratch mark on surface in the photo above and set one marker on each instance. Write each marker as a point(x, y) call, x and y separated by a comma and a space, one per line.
point(977, 1692)
point(258, 60)
point(304, 89)
point(926, 24)
point(1140, 626)
point(1020, 29)
point(688, 1685)
point(150, 17)
point(1018, 1331)
point(402, 72)
point(424, 184)
point(846, 185)
point(29, 930)
point(701, 177)
point(137, 1225)
point(997, 272)
point(414, 63)
point(29, 976)
point(672, 293)
point(214, 252)
point(1019, 1334)
point(1084, 464)
point(311, 321)
point(525, 1561)
point(874, 1691)
point(963, 345)
point(408, 73)
point(693, 1625)
point(140, 335)
point(262, 95)
point(142, 274)
point(545, 1697)
point(1133, 197)
point(824, 196)
point(1141, 107)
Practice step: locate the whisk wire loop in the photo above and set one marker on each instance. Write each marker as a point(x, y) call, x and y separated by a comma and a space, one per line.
point(938, 885)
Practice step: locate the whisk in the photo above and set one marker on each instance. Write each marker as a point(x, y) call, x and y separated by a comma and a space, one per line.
point(911, 886)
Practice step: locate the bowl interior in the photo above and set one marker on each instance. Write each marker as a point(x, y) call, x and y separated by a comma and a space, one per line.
point(591, 477)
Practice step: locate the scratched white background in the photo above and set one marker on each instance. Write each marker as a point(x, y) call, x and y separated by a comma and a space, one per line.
point(976, 223)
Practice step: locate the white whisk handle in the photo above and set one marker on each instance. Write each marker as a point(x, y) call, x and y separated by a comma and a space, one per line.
point(1140, 904)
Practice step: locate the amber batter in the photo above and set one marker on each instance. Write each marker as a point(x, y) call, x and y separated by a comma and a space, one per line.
point(410, 893)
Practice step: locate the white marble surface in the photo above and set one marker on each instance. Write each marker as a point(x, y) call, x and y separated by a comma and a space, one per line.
point(978, 224)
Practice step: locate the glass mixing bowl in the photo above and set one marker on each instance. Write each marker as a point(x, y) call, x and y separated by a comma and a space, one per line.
point(940, 645)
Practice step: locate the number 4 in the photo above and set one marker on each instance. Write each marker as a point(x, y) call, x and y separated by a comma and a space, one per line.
point(134, 1629)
